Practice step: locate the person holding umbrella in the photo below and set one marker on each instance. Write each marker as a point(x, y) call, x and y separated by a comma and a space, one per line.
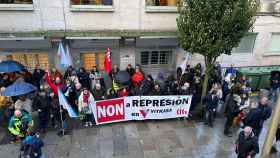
point(20, 125)
point(24, 103)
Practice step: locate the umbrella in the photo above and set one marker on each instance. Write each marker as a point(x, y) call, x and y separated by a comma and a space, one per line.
point(10, 66)
point(19, 88)
point(123, 77)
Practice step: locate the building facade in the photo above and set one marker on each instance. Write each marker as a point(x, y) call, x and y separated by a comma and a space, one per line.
point(137, 32)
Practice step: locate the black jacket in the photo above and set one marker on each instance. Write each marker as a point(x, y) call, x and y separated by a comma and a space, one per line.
point(232, 108)
point(253, 118)
point(84, 79)
point(211, 101)
point(246, 146)
point(37, 76)
point(42, 103)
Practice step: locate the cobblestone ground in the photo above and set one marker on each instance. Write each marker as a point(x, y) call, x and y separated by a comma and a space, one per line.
point(149, 139)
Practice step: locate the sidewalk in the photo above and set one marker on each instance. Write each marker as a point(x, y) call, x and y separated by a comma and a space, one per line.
point(147, 139)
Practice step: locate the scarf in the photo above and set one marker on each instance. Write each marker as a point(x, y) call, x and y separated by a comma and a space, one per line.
point(85, 98)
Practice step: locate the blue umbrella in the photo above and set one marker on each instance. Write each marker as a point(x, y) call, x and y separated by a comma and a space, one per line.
point(19, 88)
point(10, 66)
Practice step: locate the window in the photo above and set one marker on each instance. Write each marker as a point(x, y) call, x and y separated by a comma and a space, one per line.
point(274, 45)
point(30, 60)
point(91, 59)
point(144, 58)
point(161, 2)
point(155, 57)
point(16, 1)
point(92, 2)
point(246, 44)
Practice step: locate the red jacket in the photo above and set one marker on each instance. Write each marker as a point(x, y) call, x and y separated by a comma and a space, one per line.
point(52, 85)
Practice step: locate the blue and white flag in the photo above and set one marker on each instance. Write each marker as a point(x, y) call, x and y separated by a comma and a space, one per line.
point(63, 56)
point(64, 103)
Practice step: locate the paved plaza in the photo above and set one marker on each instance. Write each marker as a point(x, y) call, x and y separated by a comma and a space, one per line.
point(148, 139)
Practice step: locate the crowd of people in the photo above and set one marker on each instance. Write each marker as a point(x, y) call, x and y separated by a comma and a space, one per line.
point(228, 93)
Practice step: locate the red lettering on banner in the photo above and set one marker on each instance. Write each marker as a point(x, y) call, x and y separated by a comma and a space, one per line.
point(182, 112)
point(110, 110)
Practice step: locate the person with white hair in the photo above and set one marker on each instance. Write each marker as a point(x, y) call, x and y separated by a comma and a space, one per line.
point(247, 144)
point(98, 92)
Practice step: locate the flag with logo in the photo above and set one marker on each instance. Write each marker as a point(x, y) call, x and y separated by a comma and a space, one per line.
point(107, 61)
point(64, 103)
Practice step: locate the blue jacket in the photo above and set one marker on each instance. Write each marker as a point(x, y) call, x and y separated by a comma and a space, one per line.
point(36, 144)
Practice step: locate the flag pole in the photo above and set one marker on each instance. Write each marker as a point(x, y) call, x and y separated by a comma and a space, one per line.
point(271, 130)
point(61, 119)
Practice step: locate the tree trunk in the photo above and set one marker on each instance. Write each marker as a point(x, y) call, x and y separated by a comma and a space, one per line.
point(205, 82)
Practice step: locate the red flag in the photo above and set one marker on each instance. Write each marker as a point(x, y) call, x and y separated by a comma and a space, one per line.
point(107, 61)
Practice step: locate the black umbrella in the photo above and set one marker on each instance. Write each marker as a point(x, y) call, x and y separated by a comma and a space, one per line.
point(123, 77)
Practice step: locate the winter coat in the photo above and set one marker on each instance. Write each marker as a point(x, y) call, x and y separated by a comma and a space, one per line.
point(185, 91)
point(99, 94)
point(37, 76)
point(253, 118)
point(24, 105)
point(16, 124)
point(42, 105)
point(211, 102)
point(266, 112)
point(32, 145)
point(54, 86)
point(84, 79)
point(147, 86)
point(246, 146)
point(85, 107)
point(231, 106)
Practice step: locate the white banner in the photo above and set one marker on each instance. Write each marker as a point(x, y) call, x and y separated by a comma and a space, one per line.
point(141, 108)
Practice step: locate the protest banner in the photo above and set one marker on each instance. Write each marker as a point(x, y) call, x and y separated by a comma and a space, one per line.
point(141, 108)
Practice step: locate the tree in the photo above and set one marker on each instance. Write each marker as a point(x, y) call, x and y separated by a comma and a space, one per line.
point(214, 27)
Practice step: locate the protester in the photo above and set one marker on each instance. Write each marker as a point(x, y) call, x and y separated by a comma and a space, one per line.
point(265, 113)
point(41, 104)
point(95, 77)
point(24, 103)
point(231, 111)
point(157, 90)
point(31, 146)
point(130, 70)
point(84, 78)
point(85, 101)
point(55, 111)
point(114, 72)
point(111, 94)
point(247, 144)
point(98, 93)
point(20, 125)
point(37, 76)
point(211, 103)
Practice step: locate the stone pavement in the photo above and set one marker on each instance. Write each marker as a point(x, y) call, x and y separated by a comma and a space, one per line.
point(147, 139)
